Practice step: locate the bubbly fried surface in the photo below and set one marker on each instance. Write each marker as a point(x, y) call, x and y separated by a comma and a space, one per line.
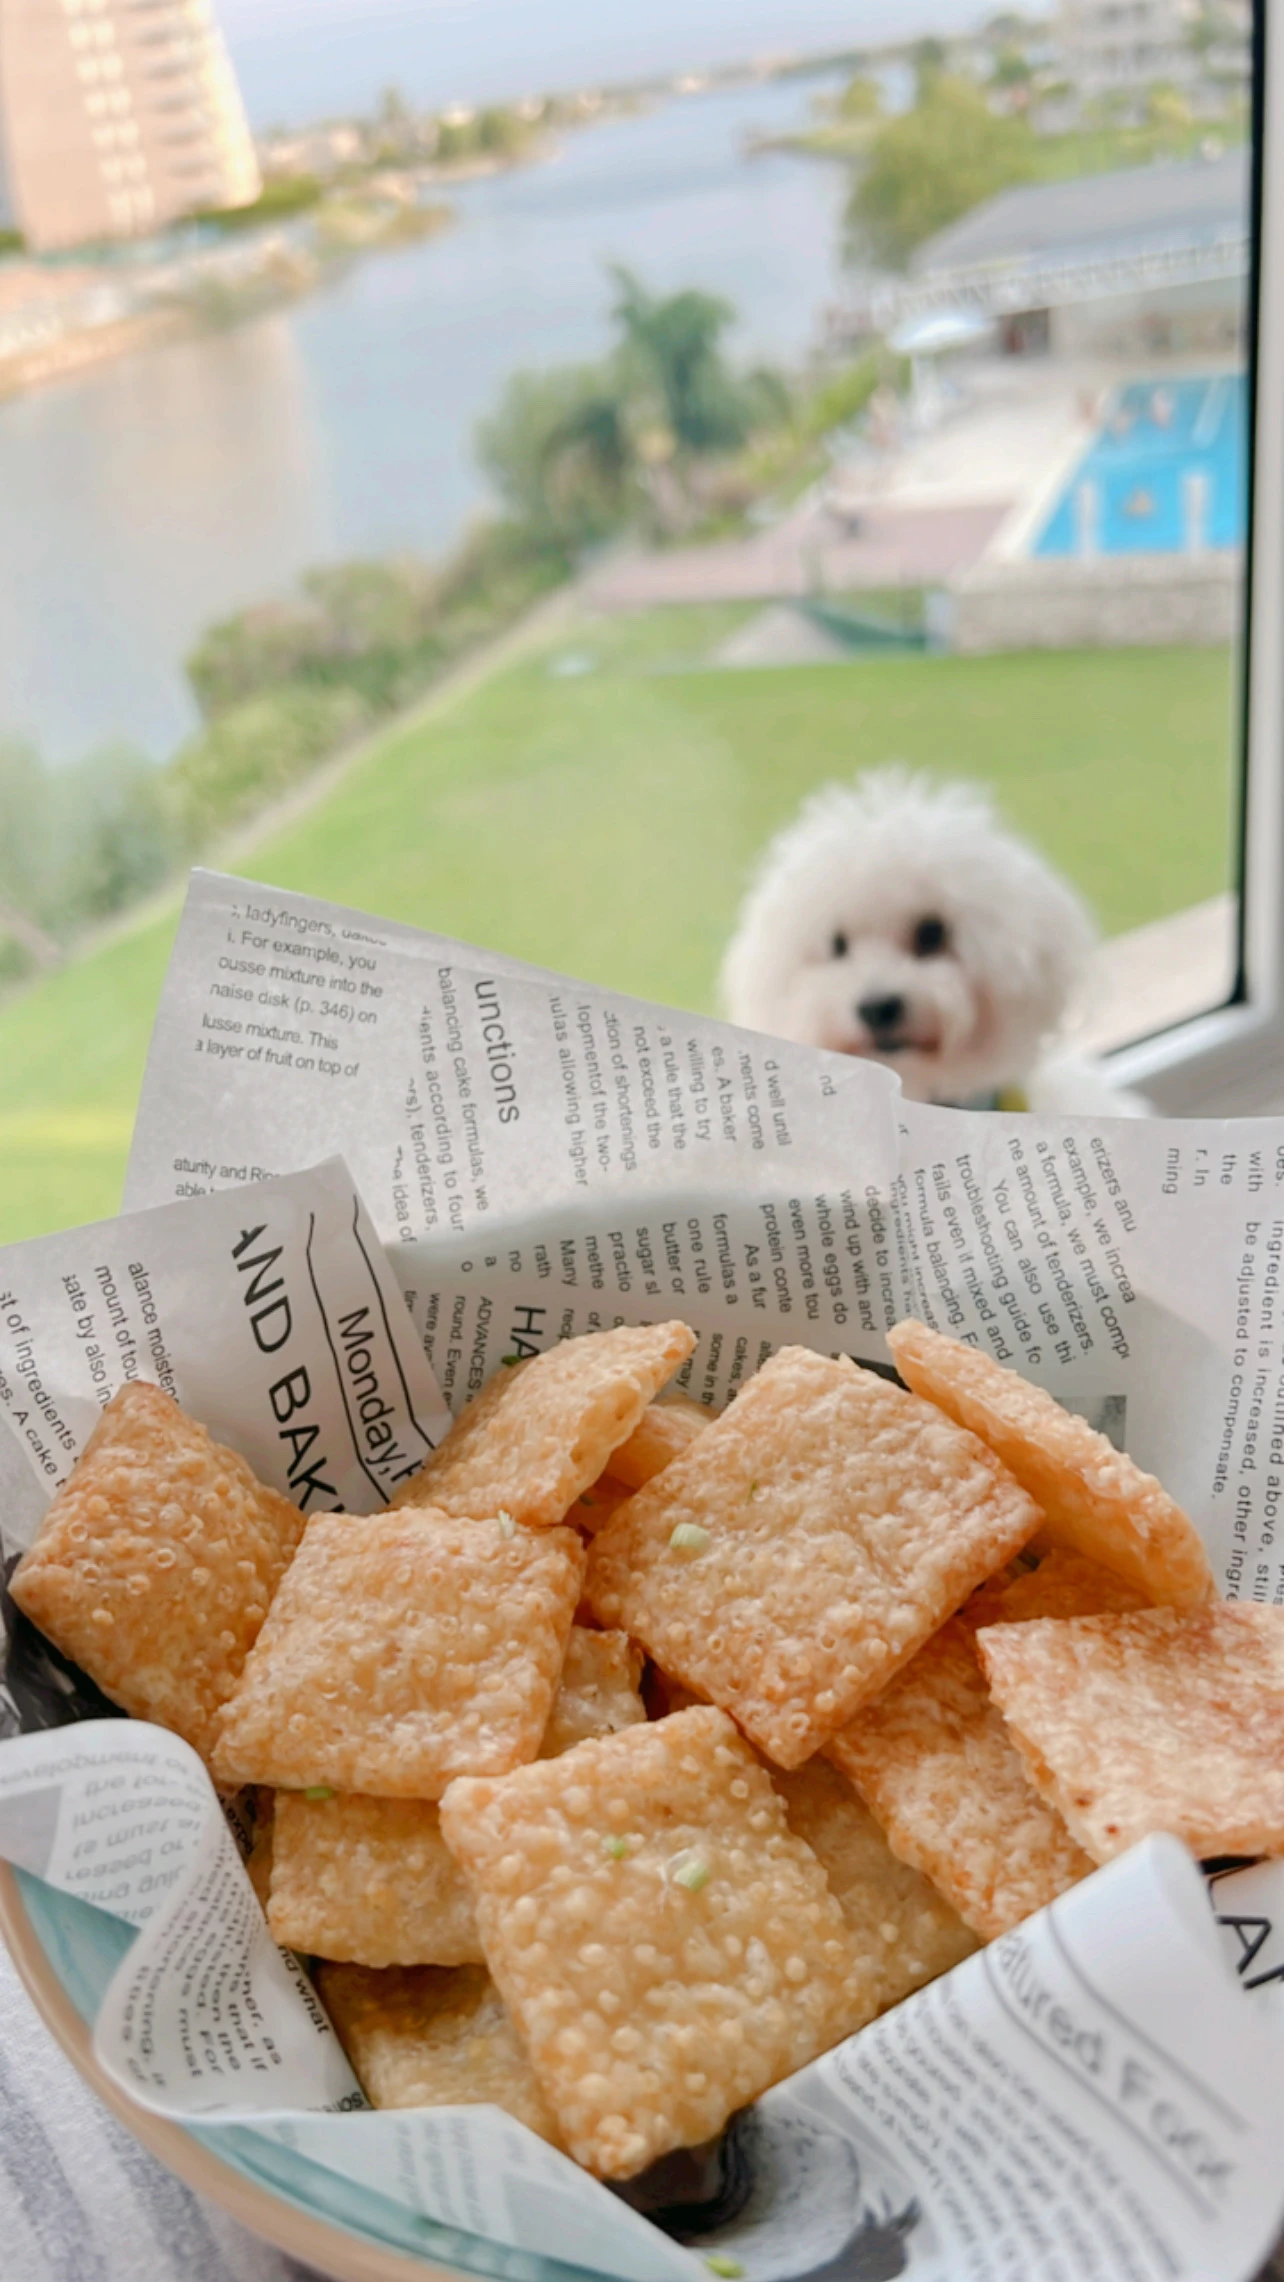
point(906, 1931)
point(837, 1523)
point(1167, 1719)
point(541, 1431)
point(402, 1650)
point(368, 1882)
point(1097, 1502)
point(155, 1563)
point(935, 1763)
point(665, 1944)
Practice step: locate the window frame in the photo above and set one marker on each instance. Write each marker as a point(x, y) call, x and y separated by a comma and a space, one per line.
point(1230, 1061)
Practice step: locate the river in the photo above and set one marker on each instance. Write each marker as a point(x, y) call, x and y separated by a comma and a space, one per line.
point(153, 495)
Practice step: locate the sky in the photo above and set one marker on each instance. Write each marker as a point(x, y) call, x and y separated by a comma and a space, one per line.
point(301, 59)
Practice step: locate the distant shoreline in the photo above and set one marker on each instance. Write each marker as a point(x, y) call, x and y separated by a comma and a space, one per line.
point(50, 336)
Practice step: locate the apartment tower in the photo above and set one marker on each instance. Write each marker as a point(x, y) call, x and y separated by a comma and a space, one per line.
point(118, 117)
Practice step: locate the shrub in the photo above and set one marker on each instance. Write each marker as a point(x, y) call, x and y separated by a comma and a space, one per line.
point(117, 835)
point(256, 751)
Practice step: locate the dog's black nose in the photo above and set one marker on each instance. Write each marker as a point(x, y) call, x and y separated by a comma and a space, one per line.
point(880, 1014)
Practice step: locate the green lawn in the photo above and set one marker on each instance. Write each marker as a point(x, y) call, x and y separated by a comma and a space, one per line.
point(602, 822)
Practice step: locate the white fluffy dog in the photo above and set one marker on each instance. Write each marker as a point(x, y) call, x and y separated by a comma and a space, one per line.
point(898, 919)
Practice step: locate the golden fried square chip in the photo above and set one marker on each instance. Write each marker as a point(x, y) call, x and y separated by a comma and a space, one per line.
point(368, 1881)
point(1168, 1719)
point(666, 1946)
point(1097, 1502)
point(806, 1545)
point(155, 1563)
point(421, 2038)
point(372, 1881)
point(665, 1431)
point(402, 1650)
point(902, 1927)
point(935, 1764)
point(540, 1432)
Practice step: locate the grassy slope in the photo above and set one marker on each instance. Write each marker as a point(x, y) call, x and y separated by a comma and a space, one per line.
point(603, 823)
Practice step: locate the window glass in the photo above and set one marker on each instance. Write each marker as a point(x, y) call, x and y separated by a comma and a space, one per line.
point(488, 463)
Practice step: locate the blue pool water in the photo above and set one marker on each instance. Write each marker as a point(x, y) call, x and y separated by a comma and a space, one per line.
point(1165, 475)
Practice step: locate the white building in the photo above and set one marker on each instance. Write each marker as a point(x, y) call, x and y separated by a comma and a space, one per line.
point(1116, 51)
point(1152, 259)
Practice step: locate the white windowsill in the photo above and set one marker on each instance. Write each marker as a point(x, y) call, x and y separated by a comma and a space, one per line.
point(1159, 975)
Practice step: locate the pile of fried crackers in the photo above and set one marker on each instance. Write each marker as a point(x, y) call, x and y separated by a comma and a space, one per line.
point(636, 1756)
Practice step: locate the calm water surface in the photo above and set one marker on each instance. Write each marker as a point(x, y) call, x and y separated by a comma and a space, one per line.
point(165, 490)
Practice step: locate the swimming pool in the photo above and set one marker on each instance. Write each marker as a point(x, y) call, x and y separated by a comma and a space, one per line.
point(1166, 474)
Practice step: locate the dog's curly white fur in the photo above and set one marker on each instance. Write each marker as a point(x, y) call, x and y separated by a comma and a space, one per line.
point(898, 919)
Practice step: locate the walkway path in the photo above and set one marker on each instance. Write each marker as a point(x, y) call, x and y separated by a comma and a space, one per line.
point(811, 551)
point(914, 514)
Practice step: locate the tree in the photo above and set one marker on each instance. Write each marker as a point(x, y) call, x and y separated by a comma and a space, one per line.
point(1012, 69)
point(671, 348)
point(573, 452)
point(500, 132)
point(932, 164)
point(861, 100)
point(558, 449)
point(1211, 27)
point(929, 58)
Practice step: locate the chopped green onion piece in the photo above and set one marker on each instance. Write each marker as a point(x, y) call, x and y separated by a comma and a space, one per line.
point(509, 1360)
point(731, 2267)
point(588, 1501)
point(617, 1848)
point(689, 1870)
point(319, 1791)
point(689, 1537)
point(753, 1491)
point(507, 1525)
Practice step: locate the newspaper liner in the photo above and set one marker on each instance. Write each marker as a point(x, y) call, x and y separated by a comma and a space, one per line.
point(1091, 2095)
point(267, 1316)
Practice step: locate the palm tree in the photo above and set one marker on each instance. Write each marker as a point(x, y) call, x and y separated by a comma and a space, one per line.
point(672, 345)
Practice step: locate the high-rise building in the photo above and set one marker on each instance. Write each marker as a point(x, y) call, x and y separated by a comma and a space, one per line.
point(117, 117)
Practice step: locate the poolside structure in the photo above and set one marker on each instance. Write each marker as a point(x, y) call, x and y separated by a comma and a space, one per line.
point(117, 117)
point(1146, 259)
point(1134, 536)
point(1116, 301)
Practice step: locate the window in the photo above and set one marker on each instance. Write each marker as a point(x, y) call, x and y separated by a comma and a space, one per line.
point(1231, 1059)
point(614, 434)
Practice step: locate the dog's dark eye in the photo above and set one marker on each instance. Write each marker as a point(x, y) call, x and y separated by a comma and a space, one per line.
point(838, 946)
point(930, 936)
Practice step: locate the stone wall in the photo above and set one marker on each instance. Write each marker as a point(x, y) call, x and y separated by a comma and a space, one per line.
point(1110, 602)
